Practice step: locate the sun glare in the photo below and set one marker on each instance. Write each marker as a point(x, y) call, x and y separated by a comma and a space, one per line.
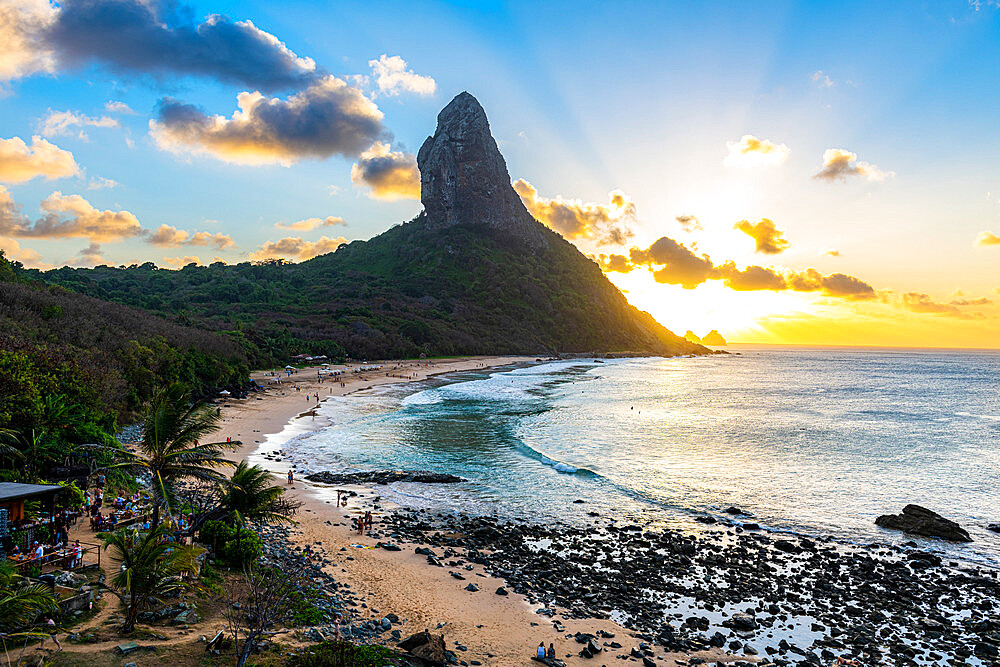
point(709, 306)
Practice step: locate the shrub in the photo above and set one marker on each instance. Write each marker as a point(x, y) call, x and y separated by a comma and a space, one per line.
point(247, 549)
point(343, 654)
point(215, 534)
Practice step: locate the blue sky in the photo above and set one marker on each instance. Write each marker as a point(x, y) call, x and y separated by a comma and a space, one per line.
point(586, 98)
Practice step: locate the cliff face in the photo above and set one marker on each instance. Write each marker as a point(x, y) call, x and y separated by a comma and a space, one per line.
point(464, 178)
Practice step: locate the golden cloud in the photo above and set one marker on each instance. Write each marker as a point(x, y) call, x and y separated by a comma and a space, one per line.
point(329, 117)
point(987, 239)
point(310, 224)
point(20, 162)
point(752, 278)
point(769, 239)
point(295, 248)
point(678, 264)
point(838, 164)
point(182, 261)
point(390, 174)
point(675, 264)
point(750, 151)
point(922, 303)
point(68, 216)
point(13, 250)
point(607, 224)
point(167, 236)
point(615, 263)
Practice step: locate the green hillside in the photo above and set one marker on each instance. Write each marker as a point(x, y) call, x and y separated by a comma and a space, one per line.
point(410, 290)
point(60, 350)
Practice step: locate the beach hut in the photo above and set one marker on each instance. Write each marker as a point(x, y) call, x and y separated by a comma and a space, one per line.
point(13, 496)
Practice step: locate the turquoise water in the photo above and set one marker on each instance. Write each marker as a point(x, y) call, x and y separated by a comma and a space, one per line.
point(819, 441)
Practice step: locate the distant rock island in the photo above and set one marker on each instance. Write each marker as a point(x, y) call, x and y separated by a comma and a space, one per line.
point(713, 338)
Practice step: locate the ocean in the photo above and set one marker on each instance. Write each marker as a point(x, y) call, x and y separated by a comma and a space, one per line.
point(816, 441)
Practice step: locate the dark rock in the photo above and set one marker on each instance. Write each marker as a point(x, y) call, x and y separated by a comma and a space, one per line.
point(995, 527)
point(917, 520)
point(501, 591)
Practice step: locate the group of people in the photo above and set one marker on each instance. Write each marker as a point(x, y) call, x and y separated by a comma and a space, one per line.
point(363, 523)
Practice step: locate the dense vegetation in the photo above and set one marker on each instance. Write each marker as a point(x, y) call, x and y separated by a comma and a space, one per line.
point(409, 291)
point(104, 359)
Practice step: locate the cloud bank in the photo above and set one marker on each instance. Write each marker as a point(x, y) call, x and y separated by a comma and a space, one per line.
point(673, 263)
point(330, 117)
point(64, 123)
point(67, 216)
point(167, 236)
point(295, 248)
point(159, 39)
point(987, 239)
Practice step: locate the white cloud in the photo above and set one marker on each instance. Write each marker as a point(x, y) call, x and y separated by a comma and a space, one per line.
point(820, 78)
point(63, 123)
point(114, 106)
point(393, 77)
point(101, 183)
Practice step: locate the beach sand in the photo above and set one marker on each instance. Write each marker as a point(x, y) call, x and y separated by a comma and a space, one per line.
point(497, 630)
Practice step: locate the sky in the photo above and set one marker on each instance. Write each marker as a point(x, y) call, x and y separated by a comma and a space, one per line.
point(783, 172)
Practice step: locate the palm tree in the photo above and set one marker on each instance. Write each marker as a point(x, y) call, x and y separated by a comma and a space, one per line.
point(22, 602)
point(150, 569)
point(171, 448)
point(248, 495)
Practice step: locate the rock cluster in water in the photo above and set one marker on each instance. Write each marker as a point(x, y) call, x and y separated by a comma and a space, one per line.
point(777, 599)
point(384, 477)
point(464, 178)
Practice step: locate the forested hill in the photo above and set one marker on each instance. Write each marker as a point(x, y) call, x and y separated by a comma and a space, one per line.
point(473, 274)
point(62, 351)
point(411, 290)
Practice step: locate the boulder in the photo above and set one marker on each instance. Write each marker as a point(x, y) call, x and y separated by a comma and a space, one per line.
point(917, 520)
point(428, 648)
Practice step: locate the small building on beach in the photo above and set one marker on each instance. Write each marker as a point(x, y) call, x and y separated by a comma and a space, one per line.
point(13, 496)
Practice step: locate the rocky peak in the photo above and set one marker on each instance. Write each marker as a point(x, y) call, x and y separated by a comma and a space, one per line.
point(463, 176)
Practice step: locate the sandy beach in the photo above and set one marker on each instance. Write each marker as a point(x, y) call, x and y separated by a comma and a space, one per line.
point(495, 629)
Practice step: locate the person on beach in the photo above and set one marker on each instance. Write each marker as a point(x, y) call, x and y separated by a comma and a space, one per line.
point(291, 477)
point(551, 653)
point(540, 652)
point(336, 627)
point(51, 629)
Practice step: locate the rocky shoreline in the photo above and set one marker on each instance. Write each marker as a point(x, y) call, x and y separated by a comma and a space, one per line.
point(781, 600)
